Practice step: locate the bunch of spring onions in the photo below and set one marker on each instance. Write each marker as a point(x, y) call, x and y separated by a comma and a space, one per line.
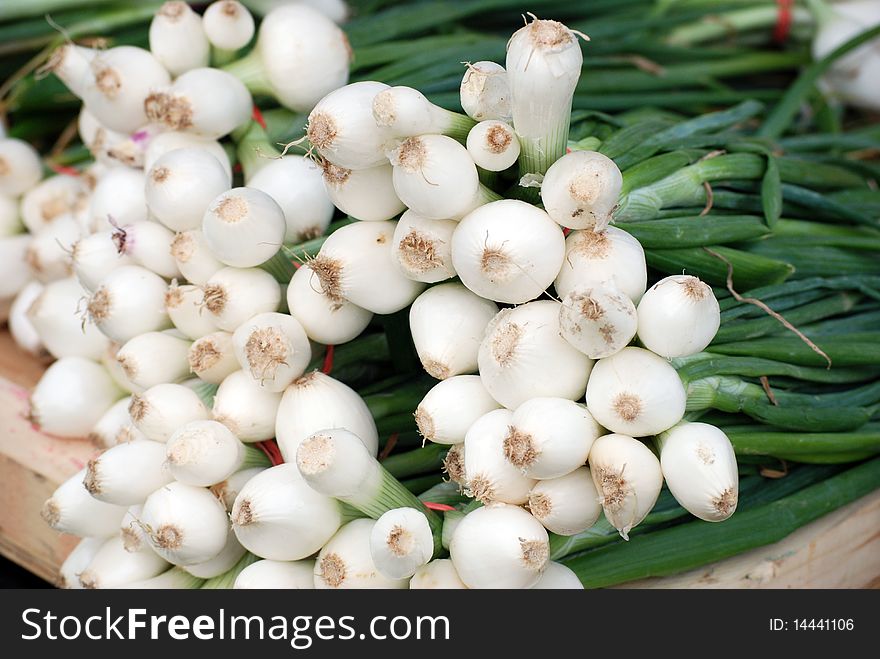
point(195, 324)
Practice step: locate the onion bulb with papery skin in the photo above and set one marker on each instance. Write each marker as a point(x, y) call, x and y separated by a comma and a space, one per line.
point(324, 320)
point(364, 194)
point(10, 222)
point(20, 167)
point(437, 574)
point(113, 566)
point(51, 198)
point(154, 358)
point(507, 251)
point(300, 56)
point(568, 504)
point(232, 295)
point(185, 524)
point(678, 316)
point(160, 410)
point(149, 245)
point(118, 199)
point(436, 177)
point(228, 25)
point(550, 437)
point(451, 407)
point(346, 560)
point(194, 258)
point(499, 546)
point(265, 574)
point(115, 427)
point(204, 453)
point(423, 247)
point(401, 542)
point(612, 255)
point(14, 272)
point(628, 478)
point(181, 185)
point(94, 257)
point(276, 515)
point(71, 396)
point(317, 402)
point(126, 474)
point(22, 329)
point(244, 227)
point(543, 66)
point(247, 409)
point(447, 323)
point(635, 392)
point(77, 561)
point(228, 490)
point(122, 79)
point(342, 129)
point(485, 92)
point(523, 356)
point(580, 190)
point(177, 38)
point(700, 468)
point(212, 357)
point(493, 145)
point(129, 301)
point(597, 319)
point(223, 562)
point(296, 184)
point(205, 101)
point(557, 576)
point(48, 254)
point(71, 64)
point(56, 314)
point(273, 349)
point(491, 477)
point(71, 509)
point(184, 307)
point(172, 140)
point(357, 264)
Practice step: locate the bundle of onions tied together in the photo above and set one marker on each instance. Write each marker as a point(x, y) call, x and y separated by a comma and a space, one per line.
point(200, 334)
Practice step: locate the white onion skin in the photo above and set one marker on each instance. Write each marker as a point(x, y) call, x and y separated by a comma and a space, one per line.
point(557, 576)
point(10, 222)
point(297, 185)
point(71, 396)
point(678, 316)
point(342, 128)
point(560, 432)
point(580, 190)
point(628, 478)
point(248, 410)
point(324, 320)
point(56, 314)
point(231, 553)
point(228, 25)
point(277, 516)
point(181, 184)
point(51, 198)
point(635, 392)
point(71, 509)
point(171, 140)
point(23, 331)
point(423, 247)
point(490, 477)
point(188, 525)
point(21, 168)
point(94, 257)
point(273, 349)
point(364, 194)
point(113, 566)
point(488, 547)
point(129, 301)
point(177, 38)
point(699, 466)
point(485, 92)
point(48, 254)
point(507, 251)
point(194, 259)
point(124, 76)
point(597, 319)
point(363, 270)
point(160, 410)
point(437, 574)
point(126, 474)
point(232, 295)
point(493, 145)
point(451, 407)
point(298, 575)
point(77, 561)
point(319, 402)
point(184, 307)
point(304, 55)
point(523, 356)
point(612, 255)
point(350, 549)
point(566, 505)
point(13, 264)
point(447, 323)
point(212, 357)
point(244, 227)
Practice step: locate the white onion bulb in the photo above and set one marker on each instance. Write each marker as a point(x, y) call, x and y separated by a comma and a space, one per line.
point(612, 255)
point(346, 560)
point(273, 349)
point(247, 409)
point(244, 227)
point(485, 92)
point(678, 316)
point(20, 166)
point(568, 504)
point(597, 319)
point(423, 247)
point(635, 392)
point(232, 295)
point(447, 323)
point(493, 145)
point(177, 38)
point(160, 410)
point(580, 190)
point(364, 194)
point(324, 319)
point(490, 476)
point(451, 407)
point(523, 356)
point(212, 357)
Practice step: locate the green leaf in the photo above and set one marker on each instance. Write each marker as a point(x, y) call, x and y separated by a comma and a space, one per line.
point(771, 192)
